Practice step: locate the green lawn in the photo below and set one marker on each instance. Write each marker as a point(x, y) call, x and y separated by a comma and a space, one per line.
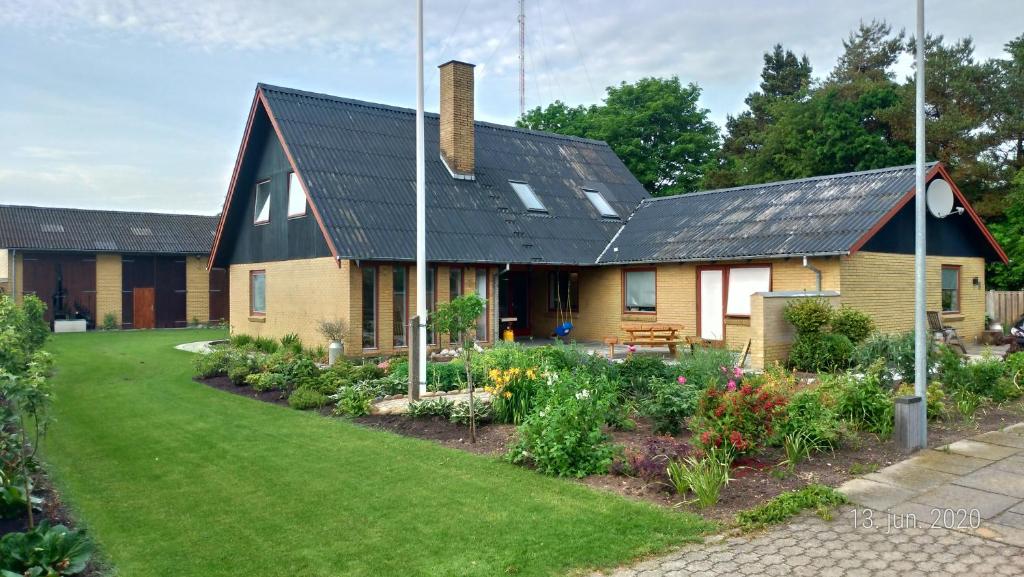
point(174, 478)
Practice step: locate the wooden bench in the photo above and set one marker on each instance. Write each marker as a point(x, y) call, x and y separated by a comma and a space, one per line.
point(652, 335)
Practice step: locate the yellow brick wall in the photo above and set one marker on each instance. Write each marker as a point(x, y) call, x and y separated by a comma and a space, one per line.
point(882, 285)
point(299, 294)
point(775, 334)
point(108, 287)
point(19, 277)
point(197, 290)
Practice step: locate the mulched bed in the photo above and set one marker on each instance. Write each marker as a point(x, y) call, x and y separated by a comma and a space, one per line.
point(225, 384)
point(754, 480)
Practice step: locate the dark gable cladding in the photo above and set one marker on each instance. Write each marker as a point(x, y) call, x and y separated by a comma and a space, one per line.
point(79, 230)
point(357, 160)
point(823, 215)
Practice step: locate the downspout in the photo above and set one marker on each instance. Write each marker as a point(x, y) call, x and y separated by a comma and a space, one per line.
point(12, 266)
point(815, 270)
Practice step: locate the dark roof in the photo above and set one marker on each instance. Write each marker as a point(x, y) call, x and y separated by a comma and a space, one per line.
point(357, 160)
point(72, 229)
point(823, 215)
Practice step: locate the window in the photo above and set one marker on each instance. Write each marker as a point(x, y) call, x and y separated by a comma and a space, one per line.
point(400, 304)
point(369, 307)
point(296, 198)
point(481, 291)
point(563, 291)
point(528, 197)
point(431, 301)
point(262, 212)
point(597, 199)
point(454, 292)
point(743, 282)
point(950, 288)
point(257, 293)
point(640, 293)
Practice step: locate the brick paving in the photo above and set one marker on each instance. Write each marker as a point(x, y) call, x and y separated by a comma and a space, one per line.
point(957, 510)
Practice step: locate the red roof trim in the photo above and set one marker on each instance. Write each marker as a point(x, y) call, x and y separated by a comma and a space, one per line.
point(938, 170)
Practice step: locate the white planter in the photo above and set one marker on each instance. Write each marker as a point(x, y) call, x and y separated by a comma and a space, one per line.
point(73, 326)
point(334, 351)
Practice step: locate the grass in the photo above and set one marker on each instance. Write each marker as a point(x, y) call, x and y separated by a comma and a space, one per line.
point(174, 478)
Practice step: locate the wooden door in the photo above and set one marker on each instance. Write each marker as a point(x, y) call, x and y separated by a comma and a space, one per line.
point(144, 308)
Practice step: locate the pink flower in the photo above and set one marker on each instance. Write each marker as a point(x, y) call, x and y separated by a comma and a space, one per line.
point(682, 380)
point(737, 372)
point(632, 348)
point(724, 369)
point(730, 386)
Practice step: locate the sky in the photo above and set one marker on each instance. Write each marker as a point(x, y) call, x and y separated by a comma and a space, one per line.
point(141, 104)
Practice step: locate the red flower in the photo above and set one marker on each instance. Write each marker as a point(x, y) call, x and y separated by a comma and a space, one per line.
point(736, 438)
point(705, 437)
point(719, 411)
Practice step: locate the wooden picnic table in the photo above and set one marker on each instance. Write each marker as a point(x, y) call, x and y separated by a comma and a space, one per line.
point(652, 335)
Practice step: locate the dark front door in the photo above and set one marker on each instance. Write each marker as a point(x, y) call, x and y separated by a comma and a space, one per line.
point(514, 300)
point(144, 308)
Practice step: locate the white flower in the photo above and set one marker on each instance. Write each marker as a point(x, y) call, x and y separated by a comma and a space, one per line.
point(584, 394)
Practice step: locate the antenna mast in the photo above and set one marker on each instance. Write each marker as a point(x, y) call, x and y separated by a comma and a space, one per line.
point(522, 58)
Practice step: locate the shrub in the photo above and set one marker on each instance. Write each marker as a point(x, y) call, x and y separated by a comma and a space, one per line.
point(967, 403)
point(265, 344)
point(650, 462)
point(303, 399)
point(13, 498)
point(852, 324)
point(482, 412)
point(560, 357)
point(669, 403)
point(935, 398)
point(820, 352)
point(811, 415)
point(986, 377)
point(512, 393)
point(808, 315)
point(212, 364)
point(110, 322)
point(240, 364)
point(436, 407)
point(47, 550)
point(292, 342)
point(240, 340)
point(332, 330)
point(863, 400)
point(1015, 370)
point(703, 367)
point(23, 330)
point(821, 498)
point(449, 376)
point(637, 371)
point(266, 381)
point(895, 350)
point(705, 477)
point(562, 435)
point(353, 401)
point(740, 418)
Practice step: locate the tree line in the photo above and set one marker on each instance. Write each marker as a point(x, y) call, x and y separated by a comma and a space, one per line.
point(858, 117)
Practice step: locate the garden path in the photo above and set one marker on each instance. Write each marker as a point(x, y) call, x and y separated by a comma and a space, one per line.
point(956, 510)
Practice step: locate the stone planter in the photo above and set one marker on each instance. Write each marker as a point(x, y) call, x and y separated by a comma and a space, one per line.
point(69, 326)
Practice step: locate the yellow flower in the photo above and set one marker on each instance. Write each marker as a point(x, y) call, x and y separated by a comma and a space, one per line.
point(508, 395)
point(531, 374)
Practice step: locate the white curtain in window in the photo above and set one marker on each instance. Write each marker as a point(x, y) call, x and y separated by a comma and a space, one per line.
point(640, 290)
point(744, 282)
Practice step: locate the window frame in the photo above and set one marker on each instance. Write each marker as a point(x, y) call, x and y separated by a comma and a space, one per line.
point(252, 276)
point(726, 280)
point(543, 207)
point(256, 199)
point(588, 192)
point(305, 208)
point(624, 286)
point(487, 303)
point(959, 286)
point(405, 322)
point(376, 307)
point(552, 280)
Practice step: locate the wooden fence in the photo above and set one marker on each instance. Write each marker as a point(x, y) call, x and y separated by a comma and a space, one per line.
point(1005, 306)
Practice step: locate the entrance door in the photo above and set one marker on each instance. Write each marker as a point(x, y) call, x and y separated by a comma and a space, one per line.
point(514, 300)
point(711, 304)
point(144, 308)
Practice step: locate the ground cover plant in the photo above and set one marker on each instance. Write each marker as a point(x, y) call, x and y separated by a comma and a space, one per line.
point(820, 498)
point(252, 473)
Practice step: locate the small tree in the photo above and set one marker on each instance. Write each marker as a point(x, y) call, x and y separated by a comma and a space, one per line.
point(458, 319)
point(26, 400)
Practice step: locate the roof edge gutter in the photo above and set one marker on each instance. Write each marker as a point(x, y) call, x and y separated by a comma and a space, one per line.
point(754, 258)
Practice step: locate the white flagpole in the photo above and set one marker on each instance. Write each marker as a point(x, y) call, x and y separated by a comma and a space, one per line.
point(421, 207)
point(921, 335)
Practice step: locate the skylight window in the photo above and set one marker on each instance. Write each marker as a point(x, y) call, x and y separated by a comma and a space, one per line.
point(528, 197)
point(49, 227)
point(597, 199)
point(141, 231)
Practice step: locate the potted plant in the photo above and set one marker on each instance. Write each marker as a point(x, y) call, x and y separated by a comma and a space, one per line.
point(334, 331)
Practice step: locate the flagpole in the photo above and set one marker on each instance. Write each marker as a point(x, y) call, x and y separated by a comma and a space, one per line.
point(921, 335)
point(421, 208)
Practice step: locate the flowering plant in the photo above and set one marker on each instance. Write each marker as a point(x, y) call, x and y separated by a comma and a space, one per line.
point(512, 392)
point(741, 417)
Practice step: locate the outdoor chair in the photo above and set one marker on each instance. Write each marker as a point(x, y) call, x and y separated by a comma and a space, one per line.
point(949, 335)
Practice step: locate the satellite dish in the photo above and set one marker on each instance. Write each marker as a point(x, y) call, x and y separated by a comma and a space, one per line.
point(940, 198)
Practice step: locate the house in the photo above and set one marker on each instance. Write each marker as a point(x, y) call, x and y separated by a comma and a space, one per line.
point(148, 270)
point(318, 223)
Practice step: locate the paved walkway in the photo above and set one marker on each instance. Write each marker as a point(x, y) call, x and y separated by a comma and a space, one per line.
point(957, 510)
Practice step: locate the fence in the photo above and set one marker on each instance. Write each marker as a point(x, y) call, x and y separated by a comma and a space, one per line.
point(1005, 307)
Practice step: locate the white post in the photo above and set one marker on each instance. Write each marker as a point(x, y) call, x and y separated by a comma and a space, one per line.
point(921, 335)
point(421, 207)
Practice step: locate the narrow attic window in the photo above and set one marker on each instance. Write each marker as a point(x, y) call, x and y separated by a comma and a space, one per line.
point(49, 227)
point(262, 212)
point(528, 197)
point(141, 231)
point(597, 199)
point(296, 198)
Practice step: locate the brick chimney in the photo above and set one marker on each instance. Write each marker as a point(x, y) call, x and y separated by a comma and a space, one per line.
point(457, 139)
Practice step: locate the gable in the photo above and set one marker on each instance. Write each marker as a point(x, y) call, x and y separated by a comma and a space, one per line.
point(281, 238)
